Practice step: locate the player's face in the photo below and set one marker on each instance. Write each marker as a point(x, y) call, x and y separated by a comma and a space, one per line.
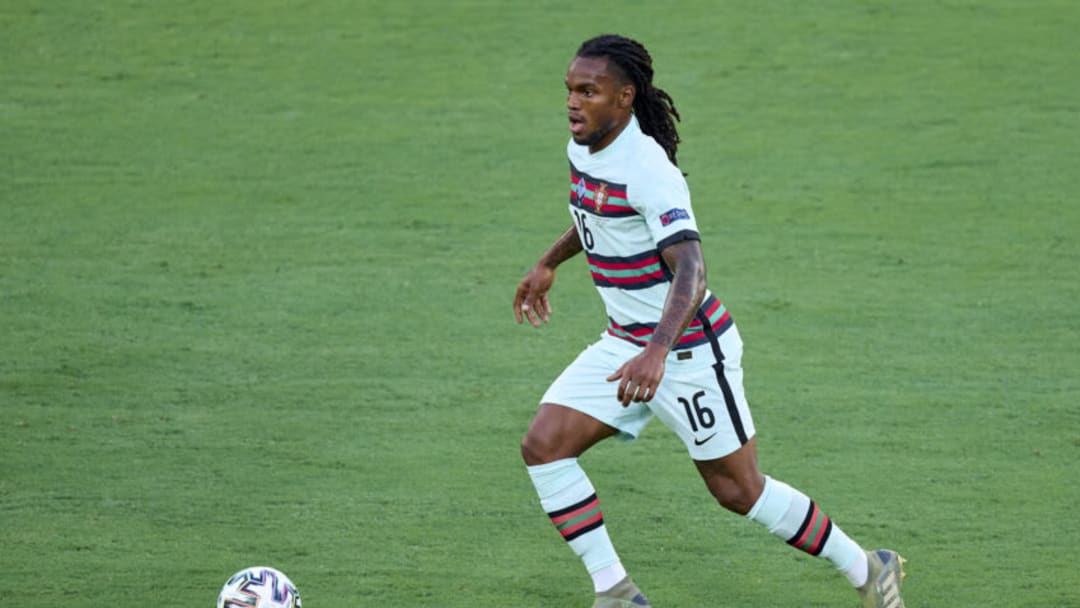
point(598, 102)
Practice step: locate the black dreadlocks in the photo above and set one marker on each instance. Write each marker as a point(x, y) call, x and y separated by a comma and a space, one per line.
point(654, 108)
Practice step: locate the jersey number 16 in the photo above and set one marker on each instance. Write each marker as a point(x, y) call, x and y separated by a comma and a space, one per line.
point(586, 234)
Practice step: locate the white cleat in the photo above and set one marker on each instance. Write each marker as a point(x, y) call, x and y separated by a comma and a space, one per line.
point(882, 588)
point(624, 594)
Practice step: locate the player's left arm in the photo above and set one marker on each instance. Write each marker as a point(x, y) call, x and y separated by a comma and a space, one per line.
point(641, 375)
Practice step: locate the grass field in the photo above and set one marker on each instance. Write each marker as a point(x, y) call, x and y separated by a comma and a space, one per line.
point(257, 258)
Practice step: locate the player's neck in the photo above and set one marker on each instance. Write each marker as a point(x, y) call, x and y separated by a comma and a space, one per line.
point(612, 136)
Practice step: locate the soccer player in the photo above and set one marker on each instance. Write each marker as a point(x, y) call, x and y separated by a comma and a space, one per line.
point(670, 349)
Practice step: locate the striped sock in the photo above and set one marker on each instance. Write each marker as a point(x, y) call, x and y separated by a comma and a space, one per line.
point(568, 497)
point(792, 516)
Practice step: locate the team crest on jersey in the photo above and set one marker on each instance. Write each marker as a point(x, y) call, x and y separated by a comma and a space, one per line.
point(600, 197)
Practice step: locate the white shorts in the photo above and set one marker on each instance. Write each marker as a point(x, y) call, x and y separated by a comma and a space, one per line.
point(698, 398)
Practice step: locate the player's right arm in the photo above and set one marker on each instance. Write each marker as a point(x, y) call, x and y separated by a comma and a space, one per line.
point(531, 300)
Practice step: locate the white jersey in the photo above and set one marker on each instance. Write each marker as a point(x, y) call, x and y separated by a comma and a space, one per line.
point(629, 202)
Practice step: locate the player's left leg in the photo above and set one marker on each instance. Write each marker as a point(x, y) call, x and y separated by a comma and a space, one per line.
point(738, 485)
point(706, 406)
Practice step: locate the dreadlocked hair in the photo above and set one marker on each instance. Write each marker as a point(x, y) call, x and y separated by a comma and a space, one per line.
point(654, 108)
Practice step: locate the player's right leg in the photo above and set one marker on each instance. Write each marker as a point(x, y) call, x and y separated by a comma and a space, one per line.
point(556, 437)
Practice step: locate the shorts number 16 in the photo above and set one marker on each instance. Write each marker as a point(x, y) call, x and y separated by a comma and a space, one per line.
point(698, 414)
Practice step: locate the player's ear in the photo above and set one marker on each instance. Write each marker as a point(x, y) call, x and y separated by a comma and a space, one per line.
point(626, 96)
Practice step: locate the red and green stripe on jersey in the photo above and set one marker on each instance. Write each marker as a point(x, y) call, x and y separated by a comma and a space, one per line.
point(814, 531)
point(696, 334)
point(597, 196)
point(634, 272)
point(578, 518)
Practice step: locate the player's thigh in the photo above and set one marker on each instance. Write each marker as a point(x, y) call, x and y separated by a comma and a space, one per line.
point(583, 386)
point(705, 405)
point(557, 432)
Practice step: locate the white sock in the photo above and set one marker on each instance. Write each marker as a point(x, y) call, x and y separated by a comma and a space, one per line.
point(607, 577)
point(792, 516)
point(568, 497)
point(859, 570)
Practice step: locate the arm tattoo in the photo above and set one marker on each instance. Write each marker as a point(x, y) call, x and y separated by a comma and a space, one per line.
point(685, 294)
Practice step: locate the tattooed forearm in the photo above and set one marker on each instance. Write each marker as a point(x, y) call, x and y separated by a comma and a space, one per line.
point(685, 294)
point(567, 246)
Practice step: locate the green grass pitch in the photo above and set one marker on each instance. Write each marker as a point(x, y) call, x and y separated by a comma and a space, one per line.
point(257, 259)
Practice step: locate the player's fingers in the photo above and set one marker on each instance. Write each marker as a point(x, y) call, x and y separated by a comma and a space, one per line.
point(630, 390)
point(641, 394)
point(521, 310)
point(530, 314)
point(544, 307)
point(519, 301)
point(618, 374)
point(537, 306)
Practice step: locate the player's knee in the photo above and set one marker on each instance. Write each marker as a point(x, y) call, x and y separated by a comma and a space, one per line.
point(536, 450)
point(735, 496)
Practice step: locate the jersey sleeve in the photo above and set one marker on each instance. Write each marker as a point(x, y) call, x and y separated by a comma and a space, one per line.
point(663, 200)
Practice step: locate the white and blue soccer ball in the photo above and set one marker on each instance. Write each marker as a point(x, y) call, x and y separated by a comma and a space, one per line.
point(259, 587)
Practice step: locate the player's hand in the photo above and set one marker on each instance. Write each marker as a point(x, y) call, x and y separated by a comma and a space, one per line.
point(531, 298)
point(640, 376)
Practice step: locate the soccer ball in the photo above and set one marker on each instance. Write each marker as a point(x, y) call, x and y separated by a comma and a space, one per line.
point(259, 587)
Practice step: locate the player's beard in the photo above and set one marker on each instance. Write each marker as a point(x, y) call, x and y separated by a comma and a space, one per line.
point(591, 139)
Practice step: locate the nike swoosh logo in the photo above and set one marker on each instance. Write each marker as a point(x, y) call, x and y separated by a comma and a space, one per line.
point(703, 441)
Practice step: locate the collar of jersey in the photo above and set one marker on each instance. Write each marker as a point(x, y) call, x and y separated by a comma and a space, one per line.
point(629, 133)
